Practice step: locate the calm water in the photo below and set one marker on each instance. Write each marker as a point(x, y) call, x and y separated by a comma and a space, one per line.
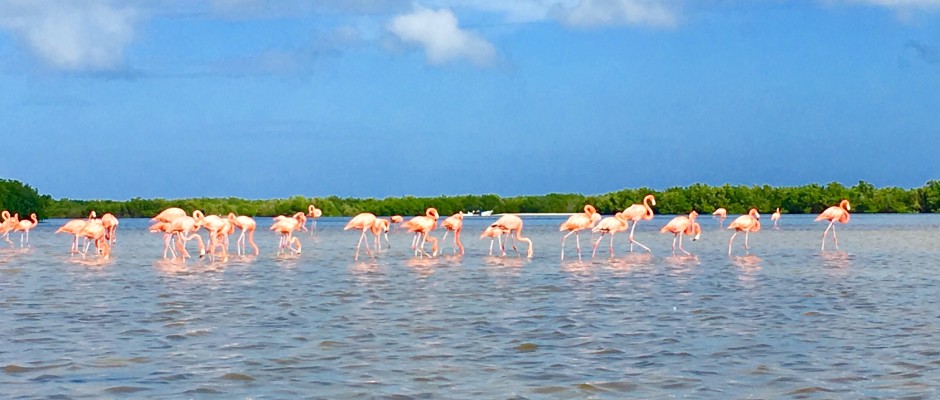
point(786, 321)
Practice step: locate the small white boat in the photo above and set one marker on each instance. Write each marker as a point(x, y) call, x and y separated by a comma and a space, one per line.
point(486, 213)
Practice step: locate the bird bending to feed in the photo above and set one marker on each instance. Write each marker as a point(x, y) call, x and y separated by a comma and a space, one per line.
point(507, 224)
point(720, 214)
point(683, 224)
point(746, 223)
point(285, 226)
point(638, 212)
point(575, 224)
point(247, 225)
point(379, 227)
point(775, 217)
point(362, 222)
point(835, 213)
point(493, 232)
point(610, 225)
point(422, 226)
point(454, 223)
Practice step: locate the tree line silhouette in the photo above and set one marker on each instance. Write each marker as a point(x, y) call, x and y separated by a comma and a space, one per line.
point(21, 198)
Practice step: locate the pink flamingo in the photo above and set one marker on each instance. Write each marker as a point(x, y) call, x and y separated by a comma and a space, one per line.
point(185, 228)
point(493, 232)
point(285, 226)
point(836, 213)
point(110, 223)
point(422, 226)
point(638, 212)
point(169, 214)
point(313, 213)
point(95, 232)
point(9, 223)
point(164, 227)
point(247, 225)
point(397, 220)
point(720, 214)
point(454, 223)
point(680, 225)
point(378, 228)
point(610, 225)
point(575, 224)
point(507, 224)
point(746, 223)
point(218, 229)
point(775, 217)
point(362, 222)
point(25, 226)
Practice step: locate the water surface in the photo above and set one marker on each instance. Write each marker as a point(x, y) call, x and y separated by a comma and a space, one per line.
point(783, 321)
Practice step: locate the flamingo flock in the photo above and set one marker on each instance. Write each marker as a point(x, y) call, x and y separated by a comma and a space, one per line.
point(179, 228)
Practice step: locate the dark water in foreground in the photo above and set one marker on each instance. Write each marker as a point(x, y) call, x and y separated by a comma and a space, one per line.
point(787, 321)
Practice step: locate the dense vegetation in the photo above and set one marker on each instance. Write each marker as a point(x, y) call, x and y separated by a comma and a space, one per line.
point(813, 198)
point(22, 199)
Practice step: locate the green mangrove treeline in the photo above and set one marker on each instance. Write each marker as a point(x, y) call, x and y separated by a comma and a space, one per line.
point(812, 198)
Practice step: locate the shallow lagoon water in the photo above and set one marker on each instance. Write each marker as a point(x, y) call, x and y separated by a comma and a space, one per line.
point(784, 321)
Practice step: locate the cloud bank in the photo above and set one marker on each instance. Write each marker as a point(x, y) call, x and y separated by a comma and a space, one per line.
point(88, 35)
point(438, 33)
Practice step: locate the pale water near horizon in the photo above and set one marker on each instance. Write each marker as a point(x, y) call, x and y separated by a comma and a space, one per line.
point(785, 321)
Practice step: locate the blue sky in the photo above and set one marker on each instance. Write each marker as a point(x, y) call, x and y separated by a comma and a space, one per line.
point(373, 98)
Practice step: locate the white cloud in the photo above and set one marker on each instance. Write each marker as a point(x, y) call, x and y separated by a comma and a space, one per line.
point(589, 13)
point(440, 36)
point(900, 4)
point(88, 35)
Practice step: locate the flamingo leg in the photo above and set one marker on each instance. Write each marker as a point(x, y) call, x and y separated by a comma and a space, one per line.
point(674, 236)
point(389, 243)
point(680, 245)
point(730, 241)
point(611, 244)
point(632, 241)
point(835, 239)
point(563, 244)
point(356, 257)
point(746, 247)
point(577, 242)
point(594, 252)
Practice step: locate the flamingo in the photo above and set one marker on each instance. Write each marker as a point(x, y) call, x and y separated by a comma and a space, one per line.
point(169, 214)
point(9, 223)
point(575, 224)
point(218, 228)
point(421, 226)
point(507, 224)
point(313, 212)
point(775, 217)
point(720, 214)
point(73, 227)
point(184, 228)
point(362, 222)
point(747, 223)
point(380, 226)
point(493, 232)
point(638, 212)
point(454, 223)
point(611, 225)
point(25, 226)
point(680, 225)
point(110, 223)
point(164, 227)
point(285, 226)
point(95, 232)
point(836, 213)
point(397, 220)
point(247, 225)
